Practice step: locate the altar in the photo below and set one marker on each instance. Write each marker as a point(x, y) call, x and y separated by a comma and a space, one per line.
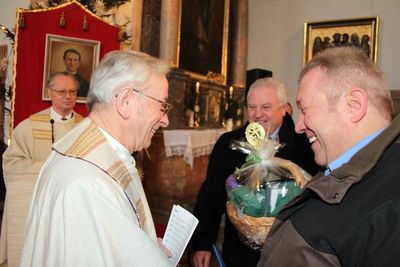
point(176, 168)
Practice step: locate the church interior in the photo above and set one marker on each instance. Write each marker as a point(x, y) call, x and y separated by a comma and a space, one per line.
point(215, 49)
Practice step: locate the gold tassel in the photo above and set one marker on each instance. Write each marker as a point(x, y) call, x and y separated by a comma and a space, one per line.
point(121, 34)
point(85, 24)
point(63, 23)
point(21, 21)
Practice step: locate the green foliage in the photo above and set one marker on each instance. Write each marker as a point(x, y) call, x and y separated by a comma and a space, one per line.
point(5, 92)
point(90, 4)
point(9, 34)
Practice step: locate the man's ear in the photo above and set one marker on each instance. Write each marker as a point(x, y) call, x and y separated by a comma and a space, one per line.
point(357, 104)
point(49, 93)
point(123, 103)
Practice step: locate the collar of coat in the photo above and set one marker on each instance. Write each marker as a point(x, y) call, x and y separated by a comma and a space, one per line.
point(44, 116)
point(333, 187)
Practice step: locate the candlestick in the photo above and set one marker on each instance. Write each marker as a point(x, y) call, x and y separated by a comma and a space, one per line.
point(196, 115)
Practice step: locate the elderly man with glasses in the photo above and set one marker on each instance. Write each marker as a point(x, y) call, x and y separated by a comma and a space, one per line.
point(31, 143)
point(89, 206)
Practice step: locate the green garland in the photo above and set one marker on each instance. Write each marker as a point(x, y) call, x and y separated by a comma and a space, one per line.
point(90, 4)
point(98, 7)
point(5, 92)
point(9, 34)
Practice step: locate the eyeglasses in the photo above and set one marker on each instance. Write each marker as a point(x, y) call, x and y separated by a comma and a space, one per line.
point(165, 107)
point(65, 92)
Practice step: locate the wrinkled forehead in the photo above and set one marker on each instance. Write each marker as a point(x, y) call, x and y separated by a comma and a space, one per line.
point(263, 95)
point(64, 82)
point(311, 86)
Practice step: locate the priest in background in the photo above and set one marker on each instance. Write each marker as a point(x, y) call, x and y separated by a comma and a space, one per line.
point(31, 144)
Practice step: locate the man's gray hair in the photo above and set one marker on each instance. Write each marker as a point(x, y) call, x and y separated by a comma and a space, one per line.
point(121, 68)
point(50, 81)
point(279, 87)
point(347, 67)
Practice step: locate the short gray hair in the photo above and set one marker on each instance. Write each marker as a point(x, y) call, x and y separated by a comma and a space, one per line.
point(118, 69)
point(50, 81)
point(280, 88)
point(347, 67)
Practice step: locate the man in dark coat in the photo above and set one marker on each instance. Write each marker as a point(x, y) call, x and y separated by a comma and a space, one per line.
point(349, 214)
point(266, 102)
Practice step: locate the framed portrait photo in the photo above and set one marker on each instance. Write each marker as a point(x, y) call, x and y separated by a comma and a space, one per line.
point(359, 32)
point(75, 55)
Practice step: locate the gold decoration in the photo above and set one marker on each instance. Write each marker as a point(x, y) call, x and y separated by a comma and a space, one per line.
point(121, 34)
point(21, 21)
point(255, 134)
point(63, 23)
point(196, 115)
point(215, 77)
point(85, 24)
point(3, 63)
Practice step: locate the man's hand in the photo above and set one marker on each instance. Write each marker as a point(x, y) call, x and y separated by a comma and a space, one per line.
point(201, 258)
point(164, 248)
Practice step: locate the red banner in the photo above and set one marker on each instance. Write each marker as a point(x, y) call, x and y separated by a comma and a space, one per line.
point(30, 46)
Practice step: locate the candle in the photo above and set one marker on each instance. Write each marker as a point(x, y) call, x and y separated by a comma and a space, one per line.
point(197, 87)
point(230, 92)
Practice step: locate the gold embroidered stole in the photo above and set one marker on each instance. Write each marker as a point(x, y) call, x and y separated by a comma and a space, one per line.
point(42, 132)
point(90, 140)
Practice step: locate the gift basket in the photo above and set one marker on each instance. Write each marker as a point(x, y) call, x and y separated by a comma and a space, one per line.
point(261, 187)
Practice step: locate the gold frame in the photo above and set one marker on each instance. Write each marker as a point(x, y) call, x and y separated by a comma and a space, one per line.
point(362, 26)
point(55, 45)
point(220, 77)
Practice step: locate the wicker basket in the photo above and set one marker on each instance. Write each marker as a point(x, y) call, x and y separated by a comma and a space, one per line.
point(253, 231)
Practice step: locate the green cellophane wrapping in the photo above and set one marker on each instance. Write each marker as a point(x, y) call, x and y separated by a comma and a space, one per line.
point(259, 189)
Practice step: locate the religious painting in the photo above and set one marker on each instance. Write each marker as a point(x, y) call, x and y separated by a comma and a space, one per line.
point(361, 32)
point(203, 41)
point(74, 55)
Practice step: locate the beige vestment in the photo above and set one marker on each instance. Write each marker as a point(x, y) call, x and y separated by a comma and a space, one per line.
point(31, 143)
point(89, 208)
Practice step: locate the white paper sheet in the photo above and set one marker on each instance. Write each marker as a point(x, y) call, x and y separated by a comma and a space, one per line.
point(181, 225)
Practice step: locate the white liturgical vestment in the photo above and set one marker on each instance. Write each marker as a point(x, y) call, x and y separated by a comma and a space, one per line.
point(88, 210)
point(31, 144)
